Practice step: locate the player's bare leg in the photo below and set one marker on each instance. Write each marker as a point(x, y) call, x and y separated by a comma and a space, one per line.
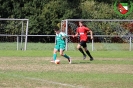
point(81, 50)
point(66, 56)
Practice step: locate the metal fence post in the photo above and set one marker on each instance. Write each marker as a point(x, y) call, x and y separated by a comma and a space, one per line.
point(130, 48)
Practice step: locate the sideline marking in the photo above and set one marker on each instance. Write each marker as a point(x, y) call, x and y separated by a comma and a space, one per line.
point(42, 80)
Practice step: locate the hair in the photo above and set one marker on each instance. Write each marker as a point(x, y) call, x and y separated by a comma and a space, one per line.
point(83, 23)
point(56, 28)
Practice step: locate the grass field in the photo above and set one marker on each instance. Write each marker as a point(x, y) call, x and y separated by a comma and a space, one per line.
point(32, 69)
point(71, 46)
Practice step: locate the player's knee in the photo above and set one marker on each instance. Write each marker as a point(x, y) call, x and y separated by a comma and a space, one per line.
point(61, 54)
point(54, 52)
point(85, 49)
point(78, 47)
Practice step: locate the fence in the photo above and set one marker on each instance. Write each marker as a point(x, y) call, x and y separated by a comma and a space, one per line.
point(11, 30)
point(104, 30)
point(100, 43)
point(108, 35)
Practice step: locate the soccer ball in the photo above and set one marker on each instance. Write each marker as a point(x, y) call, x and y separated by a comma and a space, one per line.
point(57, 61)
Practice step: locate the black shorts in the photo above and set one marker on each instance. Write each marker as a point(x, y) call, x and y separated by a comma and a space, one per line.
point(83, 44)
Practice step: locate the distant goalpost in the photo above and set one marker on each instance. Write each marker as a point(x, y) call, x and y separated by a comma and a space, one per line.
point(13, 33)
point(108, 34)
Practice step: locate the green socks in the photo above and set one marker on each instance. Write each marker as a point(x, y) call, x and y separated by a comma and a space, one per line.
point(66, 56)
point(54, 56)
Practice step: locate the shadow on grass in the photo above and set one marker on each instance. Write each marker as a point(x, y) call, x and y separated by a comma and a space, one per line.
point(82, 62)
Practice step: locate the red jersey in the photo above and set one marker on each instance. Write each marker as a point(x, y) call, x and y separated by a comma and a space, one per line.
point(82, 31)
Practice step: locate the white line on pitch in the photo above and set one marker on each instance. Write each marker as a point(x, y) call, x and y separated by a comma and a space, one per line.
point(42, 80)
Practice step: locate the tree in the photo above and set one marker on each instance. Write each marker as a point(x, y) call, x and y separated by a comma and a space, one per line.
point(44, 14)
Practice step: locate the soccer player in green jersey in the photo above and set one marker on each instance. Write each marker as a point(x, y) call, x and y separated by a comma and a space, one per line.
point(60, 45)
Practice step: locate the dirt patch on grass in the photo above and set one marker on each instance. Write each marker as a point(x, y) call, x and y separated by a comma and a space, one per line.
point(40, 64)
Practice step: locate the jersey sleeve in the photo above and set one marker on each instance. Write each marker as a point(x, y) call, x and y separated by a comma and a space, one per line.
point(87, 29)
point(63, 34)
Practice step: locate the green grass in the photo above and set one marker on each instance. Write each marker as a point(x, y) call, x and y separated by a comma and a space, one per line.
point(46, 53)
point(71, 46)
point(85, 80)
point(32, 69)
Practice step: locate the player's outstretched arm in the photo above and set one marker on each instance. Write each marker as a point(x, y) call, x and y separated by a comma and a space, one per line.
point(91, 34)
point(64, 35)
point(75, 35)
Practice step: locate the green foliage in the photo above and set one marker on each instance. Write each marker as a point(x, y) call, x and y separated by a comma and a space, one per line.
point(44, 14)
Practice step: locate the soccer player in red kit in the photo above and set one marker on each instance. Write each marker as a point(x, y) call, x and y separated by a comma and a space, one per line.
point(83, 31)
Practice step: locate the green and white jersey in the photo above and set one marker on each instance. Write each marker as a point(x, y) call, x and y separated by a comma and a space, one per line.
point(60, 38)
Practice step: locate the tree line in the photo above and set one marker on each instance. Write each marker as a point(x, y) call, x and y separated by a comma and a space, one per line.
point(44, 14)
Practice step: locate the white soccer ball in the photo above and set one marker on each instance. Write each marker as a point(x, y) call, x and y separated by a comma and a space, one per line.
point(57, 61)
